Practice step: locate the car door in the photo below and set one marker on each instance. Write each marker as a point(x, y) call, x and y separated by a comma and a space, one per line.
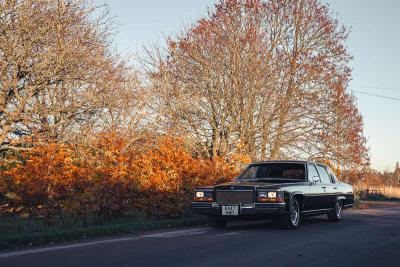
point(338, 189)
point(330, 193)
point(314, 197)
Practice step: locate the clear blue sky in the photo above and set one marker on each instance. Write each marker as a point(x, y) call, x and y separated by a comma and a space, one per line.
point(374, 43)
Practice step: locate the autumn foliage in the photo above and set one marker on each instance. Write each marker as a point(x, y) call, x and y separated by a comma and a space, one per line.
point(271, 75)
point(109, 178)
point(85, 136)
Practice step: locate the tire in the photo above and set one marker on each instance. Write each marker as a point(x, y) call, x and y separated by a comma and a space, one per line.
point(337, 213)
point(217, 222)
point(292, 219)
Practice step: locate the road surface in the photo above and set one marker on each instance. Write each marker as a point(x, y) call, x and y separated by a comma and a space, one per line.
point(367, 237)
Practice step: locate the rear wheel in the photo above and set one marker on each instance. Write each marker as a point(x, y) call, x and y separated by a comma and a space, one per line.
point(292, 219)
point(336, 214)
point(217, 222)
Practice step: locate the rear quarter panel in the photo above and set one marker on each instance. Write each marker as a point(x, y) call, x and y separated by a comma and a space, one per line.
point(346, 191)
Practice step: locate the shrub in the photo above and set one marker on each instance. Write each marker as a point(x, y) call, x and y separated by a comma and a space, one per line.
point(109, 178)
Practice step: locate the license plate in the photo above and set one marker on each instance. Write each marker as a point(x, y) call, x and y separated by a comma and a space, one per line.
point(230, 210)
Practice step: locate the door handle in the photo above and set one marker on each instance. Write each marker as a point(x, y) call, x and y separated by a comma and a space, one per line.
point(335, 188)
point(323, 187)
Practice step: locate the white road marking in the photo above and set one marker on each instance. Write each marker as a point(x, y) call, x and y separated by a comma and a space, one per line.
point(169, 234)
point(195, 231)
point(86, 244)
point(229, 234)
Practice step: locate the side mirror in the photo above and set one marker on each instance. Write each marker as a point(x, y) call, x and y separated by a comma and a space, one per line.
point(315, 179)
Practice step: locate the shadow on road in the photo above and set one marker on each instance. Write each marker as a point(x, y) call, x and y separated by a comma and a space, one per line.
point(269, 225)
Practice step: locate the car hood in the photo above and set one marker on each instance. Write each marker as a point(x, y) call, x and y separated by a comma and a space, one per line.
point(243, 185)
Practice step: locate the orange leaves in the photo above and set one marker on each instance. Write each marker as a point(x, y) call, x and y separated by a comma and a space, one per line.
point(44, 173)
point(113, 176)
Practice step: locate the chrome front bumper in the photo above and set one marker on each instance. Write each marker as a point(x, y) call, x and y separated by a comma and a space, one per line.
point(213, 208)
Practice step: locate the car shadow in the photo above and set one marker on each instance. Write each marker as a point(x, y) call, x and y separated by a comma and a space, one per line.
point(269, 225)
point(242, 225)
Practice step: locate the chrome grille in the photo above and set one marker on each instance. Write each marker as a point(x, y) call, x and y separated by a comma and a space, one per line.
point(235, 197)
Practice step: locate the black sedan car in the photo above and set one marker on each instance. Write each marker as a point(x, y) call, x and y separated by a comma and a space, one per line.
point(285, 191)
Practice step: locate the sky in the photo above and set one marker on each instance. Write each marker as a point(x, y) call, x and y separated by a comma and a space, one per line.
point(374, 43)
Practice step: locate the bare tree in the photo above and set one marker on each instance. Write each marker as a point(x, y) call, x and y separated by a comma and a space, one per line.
point(262, 76)
point(59, 74)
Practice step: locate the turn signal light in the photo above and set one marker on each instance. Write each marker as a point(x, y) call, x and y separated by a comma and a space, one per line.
point(270, 200)
point(205, 199)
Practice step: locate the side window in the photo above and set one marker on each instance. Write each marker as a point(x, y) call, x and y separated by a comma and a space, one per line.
point(332, 174)
point(312, 171)
point(325, 178)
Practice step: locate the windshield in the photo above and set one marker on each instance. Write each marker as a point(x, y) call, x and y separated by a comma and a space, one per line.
point(275, 171)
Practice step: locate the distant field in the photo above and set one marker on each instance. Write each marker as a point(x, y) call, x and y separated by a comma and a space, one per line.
point(392, 191)
point(377, 192)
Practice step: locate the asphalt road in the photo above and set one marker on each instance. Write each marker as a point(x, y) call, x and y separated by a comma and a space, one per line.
point(368, 237)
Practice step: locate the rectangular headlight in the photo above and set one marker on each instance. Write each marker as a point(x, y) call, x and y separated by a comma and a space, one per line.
point(273, 196)
point(262, 194)
point(205, 196)
point(199, 194)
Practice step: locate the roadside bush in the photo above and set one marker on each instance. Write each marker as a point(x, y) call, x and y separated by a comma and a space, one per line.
point(108, 178)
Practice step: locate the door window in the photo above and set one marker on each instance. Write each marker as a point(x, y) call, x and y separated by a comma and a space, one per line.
point(325, 178)
point(332, 174)
point(312, 171)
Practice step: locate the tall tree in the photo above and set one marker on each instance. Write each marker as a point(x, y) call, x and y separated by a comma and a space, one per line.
point(58, 72)
point(268, 77)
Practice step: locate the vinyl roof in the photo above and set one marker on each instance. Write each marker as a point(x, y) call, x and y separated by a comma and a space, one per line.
point(285, 161)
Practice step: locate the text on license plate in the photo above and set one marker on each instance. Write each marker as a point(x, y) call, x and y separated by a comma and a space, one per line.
point(230, 210)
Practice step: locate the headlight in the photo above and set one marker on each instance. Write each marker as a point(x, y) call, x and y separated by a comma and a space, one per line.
point(270, 196)
point(262, 194)
point(199, 194)
point(206, 196)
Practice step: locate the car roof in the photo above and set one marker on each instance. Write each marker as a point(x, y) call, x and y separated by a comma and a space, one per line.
point(286, 161)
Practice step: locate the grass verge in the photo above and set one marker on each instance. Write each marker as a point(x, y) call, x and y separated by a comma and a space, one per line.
point(363, 202)
point(14, 240)
point(380, 198)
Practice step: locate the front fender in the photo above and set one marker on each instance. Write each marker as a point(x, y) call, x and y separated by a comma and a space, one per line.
point(343, 198)
point(298, 194)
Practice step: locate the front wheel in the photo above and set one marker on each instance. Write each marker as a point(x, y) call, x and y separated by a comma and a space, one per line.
point(217, 222)
point(336, 214)
point(292, 219)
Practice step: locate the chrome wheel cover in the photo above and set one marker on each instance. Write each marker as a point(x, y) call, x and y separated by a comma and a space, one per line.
point(294, 213)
